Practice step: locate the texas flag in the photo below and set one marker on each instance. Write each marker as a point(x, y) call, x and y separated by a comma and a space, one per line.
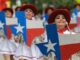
point(69, 45)
point(63, 46)
point(28, 28)
point(32, 29)
point(52, 44)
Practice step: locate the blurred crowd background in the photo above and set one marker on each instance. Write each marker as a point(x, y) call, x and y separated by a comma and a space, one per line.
point(40, 4)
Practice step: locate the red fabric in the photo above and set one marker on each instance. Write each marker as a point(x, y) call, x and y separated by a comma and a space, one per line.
point(9, 33)
point(65, 50)
point(2, 4)
point(61, 31)
point(68, 50)
point(32, 33)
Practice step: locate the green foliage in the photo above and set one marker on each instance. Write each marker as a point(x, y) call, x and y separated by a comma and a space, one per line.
point(56, 3)
point(23, 1)
point(69, 3)
point(13, 2)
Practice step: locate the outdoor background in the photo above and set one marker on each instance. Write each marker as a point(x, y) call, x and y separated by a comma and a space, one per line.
point(40, 4)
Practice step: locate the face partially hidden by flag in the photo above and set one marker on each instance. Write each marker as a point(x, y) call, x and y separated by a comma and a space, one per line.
point(17, 28)
point(34, 28)
point(52, 46)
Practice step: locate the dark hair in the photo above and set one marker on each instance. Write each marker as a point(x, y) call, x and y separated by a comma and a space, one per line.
point(29, 6)
point(46, 10)
point(8, 9)
point(57, 12)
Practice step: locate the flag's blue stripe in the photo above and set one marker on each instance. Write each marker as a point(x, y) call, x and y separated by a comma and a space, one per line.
point(53, 36)
point(2, 19)
point(22, 20)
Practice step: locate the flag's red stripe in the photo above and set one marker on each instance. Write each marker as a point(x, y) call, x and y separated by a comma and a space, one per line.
point(9, 33)
point(32, 33)
point(68, 50)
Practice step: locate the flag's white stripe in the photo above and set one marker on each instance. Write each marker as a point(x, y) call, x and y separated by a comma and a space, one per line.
point(29, 23)
point(11, 21)
point(34, 24)
point(69, 39)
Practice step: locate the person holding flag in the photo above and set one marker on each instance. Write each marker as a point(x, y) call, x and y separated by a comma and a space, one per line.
point(61, 18)
point(29, 51)
point(7, 47)
point(46, 14)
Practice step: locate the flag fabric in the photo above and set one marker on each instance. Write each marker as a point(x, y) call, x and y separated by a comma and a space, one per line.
point(30, 29)
point(53, 43)
point(68, 50)
point(34, 29)
point(69, 45)
point(29, 32)
point(3, 22)
point(22, 22)
point(19, 28)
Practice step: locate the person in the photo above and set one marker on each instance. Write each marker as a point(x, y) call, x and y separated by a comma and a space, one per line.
point(43, 37)
point(17, 8)
point(1, 39)
point(76, 17)
point(24, 51)
point(8, 12)
point(61, 18)
point(48, 11)
point(76, 13)
point(46, 14)
point(7, 47)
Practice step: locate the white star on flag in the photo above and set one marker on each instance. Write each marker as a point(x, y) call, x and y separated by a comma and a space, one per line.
point(50, 46)
point(19, 28)
point(1, 24)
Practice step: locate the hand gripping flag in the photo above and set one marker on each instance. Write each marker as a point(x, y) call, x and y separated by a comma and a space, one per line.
point(53, 43)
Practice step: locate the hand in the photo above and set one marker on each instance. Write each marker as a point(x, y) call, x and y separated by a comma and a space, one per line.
point(16, 38)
